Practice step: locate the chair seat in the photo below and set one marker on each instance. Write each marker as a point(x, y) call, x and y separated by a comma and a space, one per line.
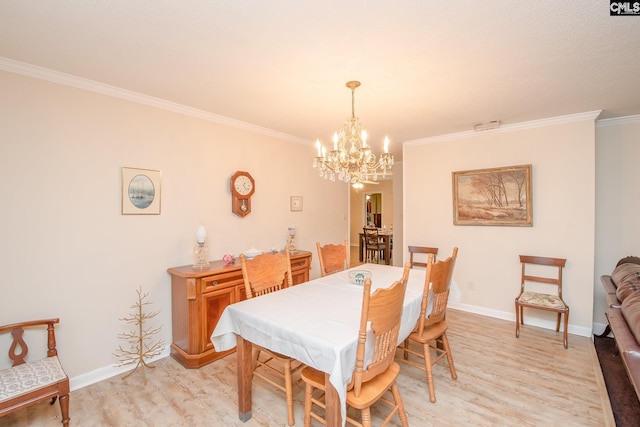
point(430, 333)
point(541, 300)
point(30, 376)
point(373, 389)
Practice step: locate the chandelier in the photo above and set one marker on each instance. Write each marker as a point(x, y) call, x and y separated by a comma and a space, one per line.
point(351, 159)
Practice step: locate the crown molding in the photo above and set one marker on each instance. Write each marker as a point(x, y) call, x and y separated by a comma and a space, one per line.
point(615, 121)
point(551, 121)
point(58, 77)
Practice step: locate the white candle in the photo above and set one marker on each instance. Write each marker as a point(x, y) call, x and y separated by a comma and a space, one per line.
point(318, 147)
point(364, 138)
point(335, 140)
point(386, 144)
point(201, 234)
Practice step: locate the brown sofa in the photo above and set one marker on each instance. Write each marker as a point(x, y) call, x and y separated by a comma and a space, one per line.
point(622, 289)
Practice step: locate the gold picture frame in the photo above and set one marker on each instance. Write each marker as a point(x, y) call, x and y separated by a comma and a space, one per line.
point(141, 191)
point(496, 196)
point(295, 203)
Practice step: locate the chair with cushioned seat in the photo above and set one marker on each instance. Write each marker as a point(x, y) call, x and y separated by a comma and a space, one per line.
point(28, 382)
point(536, 299)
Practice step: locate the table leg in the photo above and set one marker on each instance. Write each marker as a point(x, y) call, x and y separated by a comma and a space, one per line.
point(245, 375)
point(333, 414)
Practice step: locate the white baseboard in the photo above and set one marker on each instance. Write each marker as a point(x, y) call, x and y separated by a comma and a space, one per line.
point(107, 372)
point(504, 315)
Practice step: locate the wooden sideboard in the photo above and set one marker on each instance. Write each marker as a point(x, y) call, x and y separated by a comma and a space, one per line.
point(198, 298)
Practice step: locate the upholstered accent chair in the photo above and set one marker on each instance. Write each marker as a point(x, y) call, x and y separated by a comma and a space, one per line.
point(541, 299)
point(28, 382)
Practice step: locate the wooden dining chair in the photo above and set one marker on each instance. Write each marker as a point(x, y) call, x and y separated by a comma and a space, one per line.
point(413, 250)
point(333, 258)
point(31, 379)
point(369, 384)
point(373, 244)
point(539, 298)
point(431, 331)
point(264, 274)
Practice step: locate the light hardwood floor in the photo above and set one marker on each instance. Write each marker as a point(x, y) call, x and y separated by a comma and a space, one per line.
point(502, 381)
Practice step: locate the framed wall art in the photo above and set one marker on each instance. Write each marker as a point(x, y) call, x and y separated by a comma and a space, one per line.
point(295, 203)
point(140, 191)
point(497, 196)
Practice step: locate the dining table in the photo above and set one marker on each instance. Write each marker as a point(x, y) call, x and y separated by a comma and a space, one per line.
point(316, 323)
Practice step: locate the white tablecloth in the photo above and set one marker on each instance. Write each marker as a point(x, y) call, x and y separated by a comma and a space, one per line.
point(316, 322)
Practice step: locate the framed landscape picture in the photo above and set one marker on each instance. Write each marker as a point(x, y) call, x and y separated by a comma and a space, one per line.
point(497, 196)
point(140, 191)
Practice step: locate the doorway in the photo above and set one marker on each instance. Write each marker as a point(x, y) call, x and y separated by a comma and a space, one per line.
point(373, 209)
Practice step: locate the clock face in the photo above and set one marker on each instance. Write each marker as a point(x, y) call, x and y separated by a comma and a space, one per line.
point(243, 185)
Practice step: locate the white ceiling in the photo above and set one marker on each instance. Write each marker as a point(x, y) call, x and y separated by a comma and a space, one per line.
point(427, 68)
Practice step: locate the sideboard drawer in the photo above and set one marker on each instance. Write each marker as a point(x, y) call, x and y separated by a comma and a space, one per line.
point(221, 281)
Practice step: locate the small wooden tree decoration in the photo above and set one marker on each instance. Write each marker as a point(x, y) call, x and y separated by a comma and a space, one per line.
point(139, 340)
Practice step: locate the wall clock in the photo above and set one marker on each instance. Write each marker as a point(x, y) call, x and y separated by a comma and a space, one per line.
point(242, 188)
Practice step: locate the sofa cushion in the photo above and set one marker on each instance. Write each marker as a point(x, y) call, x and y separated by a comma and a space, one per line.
point(626, 277)
point(631, 259)
point(631, 313)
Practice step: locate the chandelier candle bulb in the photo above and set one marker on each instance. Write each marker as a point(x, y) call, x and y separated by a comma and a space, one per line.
point(386, 144)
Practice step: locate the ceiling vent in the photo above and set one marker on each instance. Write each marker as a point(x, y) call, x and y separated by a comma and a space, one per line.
point(493, 124)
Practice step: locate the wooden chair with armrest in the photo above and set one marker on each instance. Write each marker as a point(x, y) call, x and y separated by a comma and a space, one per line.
point(333, 258)
point(28, 382)
point(372, 243)
point(264, 274)
point(413, 250)
point(382, 310)
point(431, 331)
point(540, 300)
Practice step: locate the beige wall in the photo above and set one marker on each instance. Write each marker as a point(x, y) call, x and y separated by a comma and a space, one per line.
point(68, 252)
point(617, 200)
point(562, 153)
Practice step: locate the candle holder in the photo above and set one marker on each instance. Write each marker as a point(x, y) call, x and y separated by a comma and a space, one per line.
point(200, 250)
point(291, 240)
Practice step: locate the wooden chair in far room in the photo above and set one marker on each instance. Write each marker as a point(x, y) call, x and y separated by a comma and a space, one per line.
point(382, 310)
point(373, 245)
point(431, 331)
point(333, 258)
point(538, 298)
point(264, 274)
point(413, 250)
point(28, 382)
